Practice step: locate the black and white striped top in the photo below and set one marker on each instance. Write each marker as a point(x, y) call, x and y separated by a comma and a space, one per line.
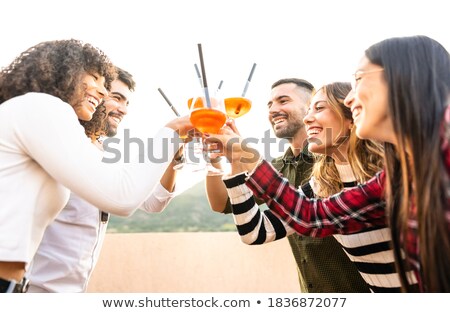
point(370, 250)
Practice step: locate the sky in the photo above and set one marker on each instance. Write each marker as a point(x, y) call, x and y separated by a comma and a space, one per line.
point(321, 41)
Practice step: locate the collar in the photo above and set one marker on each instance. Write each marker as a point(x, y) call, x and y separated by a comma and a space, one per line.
point(289, 156)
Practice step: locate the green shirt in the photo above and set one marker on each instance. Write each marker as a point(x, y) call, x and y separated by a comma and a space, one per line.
point(322, 264)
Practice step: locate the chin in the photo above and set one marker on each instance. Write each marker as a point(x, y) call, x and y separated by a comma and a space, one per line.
point(85, 117)
point(315, 148)
point(361, 133)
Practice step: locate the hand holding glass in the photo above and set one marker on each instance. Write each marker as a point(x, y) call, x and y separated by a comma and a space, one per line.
point(208, 117)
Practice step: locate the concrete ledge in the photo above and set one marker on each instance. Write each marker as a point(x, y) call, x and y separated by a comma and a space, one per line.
point(192, 262)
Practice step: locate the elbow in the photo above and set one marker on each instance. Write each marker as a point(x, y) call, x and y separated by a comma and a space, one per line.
point(217, 208)
point(122, 210)
point(248, 240)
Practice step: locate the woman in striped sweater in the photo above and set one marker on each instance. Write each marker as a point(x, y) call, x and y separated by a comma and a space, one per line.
point(342, 161)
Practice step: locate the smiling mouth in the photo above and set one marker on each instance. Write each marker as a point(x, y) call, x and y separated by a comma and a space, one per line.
point(356, 111)
point(277, 119)
point(313, 131)
point(116, 119)
point(92, 101)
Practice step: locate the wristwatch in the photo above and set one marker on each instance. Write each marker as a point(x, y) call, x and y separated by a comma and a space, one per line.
point(9, 286)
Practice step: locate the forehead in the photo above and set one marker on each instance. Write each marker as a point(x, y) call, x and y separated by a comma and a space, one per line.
point(363, 63)
point(289, 89)
point(118, 86)
point(319, 96)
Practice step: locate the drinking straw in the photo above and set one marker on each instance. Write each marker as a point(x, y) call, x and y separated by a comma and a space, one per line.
point(248, 80)
point(205, 84)
point(220, 86)
point(170, 103)
point(198, 75)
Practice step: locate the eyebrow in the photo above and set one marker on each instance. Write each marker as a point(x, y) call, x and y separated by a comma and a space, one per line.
point(279, 98)
point(120, 94)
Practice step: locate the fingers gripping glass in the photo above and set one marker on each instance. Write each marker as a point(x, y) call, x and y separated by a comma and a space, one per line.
point(358, 75)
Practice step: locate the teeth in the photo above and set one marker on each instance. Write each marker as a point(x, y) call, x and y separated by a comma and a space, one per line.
point(356, 112)
point(313, 132)
point(278, 120)
point(93, 101)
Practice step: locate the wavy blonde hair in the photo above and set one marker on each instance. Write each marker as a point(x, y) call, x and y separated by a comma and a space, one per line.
point(365, 156)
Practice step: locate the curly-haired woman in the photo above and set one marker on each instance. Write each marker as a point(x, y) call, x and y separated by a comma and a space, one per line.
point(44, 152)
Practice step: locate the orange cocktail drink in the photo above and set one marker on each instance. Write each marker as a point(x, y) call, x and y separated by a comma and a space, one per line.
point(237, 106)
point(208, 120)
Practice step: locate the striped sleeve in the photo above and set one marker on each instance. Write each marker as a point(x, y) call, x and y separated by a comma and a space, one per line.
point(254, 227)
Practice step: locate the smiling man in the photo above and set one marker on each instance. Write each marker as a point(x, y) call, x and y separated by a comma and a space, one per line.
point(322, 265)
point(121, 90)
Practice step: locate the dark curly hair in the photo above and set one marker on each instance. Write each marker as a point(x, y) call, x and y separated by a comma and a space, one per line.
point(54, 67)
point(96, 126)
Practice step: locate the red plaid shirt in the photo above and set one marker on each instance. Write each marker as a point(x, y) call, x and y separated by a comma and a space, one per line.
point(348, 212)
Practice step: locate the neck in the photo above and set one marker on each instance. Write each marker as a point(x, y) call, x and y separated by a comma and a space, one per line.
point(298, 142)
point(345, 172)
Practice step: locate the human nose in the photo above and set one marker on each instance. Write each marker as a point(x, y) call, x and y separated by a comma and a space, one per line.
point(122, 108)
point(273, 108)
point(111, 104)
point(101, 91)
point(349, 98)
point(309, 117)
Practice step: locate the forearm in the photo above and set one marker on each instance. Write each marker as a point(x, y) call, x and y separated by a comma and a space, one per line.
point(110, 184)
point(158, 200)
point(168, 179)
point(254, 226)
point(216, 193)
point(244, 159)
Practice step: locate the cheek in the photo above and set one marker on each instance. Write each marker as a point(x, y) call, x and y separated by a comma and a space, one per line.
point(110, 106)
point(83, 113)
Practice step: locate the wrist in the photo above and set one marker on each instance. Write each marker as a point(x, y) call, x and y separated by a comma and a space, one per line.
point(177, 159)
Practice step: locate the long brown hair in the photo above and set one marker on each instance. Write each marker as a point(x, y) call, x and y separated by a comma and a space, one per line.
point(417, 71)
point(365, 156)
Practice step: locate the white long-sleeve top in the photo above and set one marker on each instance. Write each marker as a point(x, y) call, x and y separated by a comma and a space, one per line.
point(72, 243)
point(44, 153)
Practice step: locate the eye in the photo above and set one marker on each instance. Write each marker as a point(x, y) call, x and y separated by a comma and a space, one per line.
point(319, 107)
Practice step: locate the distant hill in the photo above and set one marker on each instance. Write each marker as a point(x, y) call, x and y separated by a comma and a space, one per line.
point(188, 212)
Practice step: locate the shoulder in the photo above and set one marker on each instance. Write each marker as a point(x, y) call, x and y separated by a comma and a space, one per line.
point(35, 101)
point(277, 160)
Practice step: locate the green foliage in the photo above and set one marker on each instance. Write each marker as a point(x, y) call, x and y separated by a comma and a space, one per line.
point(188, 212)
